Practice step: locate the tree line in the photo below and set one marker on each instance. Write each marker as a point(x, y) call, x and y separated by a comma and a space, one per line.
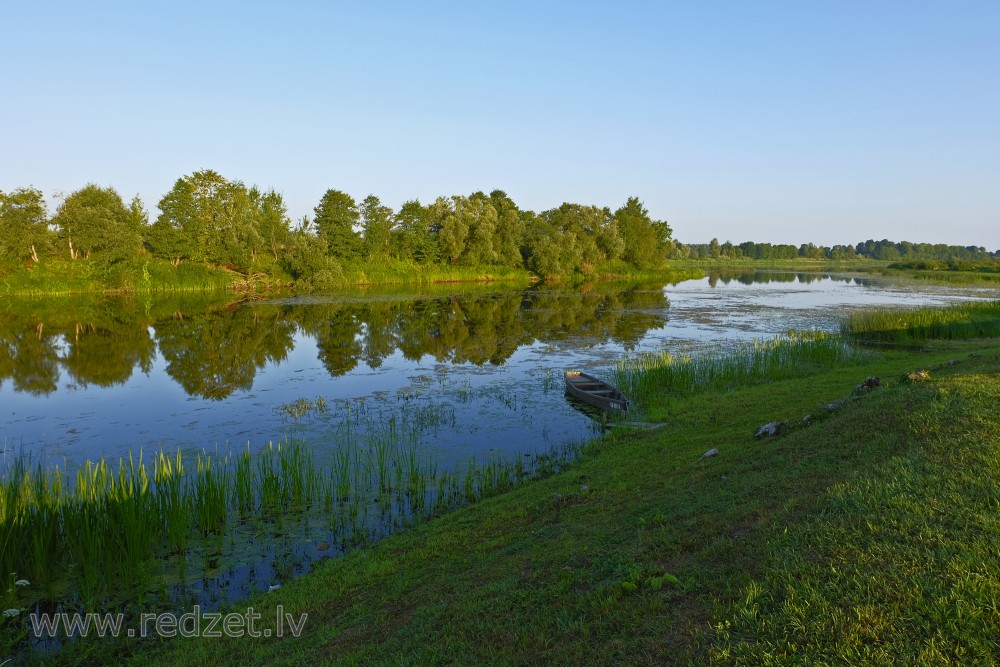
point(883, 250)
point(211, 220)
point(207, 218)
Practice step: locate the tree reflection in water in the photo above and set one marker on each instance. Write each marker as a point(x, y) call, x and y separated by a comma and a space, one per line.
point(213, 350)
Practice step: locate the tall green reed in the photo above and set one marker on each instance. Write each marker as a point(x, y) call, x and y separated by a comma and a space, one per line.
point(972, 319)
point(746, 363)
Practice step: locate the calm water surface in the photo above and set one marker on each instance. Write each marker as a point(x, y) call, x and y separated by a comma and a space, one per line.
point(96, 379)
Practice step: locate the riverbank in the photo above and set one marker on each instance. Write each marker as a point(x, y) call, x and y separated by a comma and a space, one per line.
point(63, 277)
point(867, 536)
point(58, 277)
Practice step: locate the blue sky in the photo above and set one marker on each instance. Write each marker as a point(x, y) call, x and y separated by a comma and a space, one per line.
point(830, 122)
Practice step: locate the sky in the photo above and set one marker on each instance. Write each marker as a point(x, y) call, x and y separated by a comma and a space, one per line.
point(781, 122)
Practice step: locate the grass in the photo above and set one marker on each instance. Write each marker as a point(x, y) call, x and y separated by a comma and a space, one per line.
point(55, 277)
point(973, 319)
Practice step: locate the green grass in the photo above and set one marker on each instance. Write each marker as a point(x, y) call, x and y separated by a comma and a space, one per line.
point(972, 319)
point(55, 277)
point(869, 537)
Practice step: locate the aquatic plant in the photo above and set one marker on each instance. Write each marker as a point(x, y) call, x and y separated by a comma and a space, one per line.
point(139, 523)
point(746, 363)
point(972, 319)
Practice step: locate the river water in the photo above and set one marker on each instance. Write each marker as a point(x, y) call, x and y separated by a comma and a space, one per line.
point(85, 379)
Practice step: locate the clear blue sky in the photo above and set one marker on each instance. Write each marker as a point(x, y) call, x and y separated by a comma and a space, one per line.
point(830, 122)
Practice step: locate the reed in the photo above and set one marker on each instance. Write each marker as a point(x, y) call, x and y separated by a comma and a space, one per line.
point(973, 319)
point(747, 363)
point(143, 521)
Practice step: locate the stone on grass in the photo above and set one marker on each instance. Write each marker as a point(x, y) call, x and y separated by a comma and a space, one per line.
point(871, 382)
point(709, 453)
point(768, 430)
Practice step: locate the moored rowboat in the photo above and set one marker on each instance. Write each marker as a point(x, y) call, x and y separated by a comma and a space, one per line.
point(594, 392)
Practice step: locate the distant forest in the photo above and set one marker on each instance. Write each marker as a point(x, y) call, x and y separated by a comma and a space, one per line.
point(932, 255)
point(210, 220)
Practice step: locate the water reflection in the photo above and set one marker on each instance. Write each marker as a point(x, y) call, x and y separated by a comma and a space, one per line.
point(215, 349)
point(764, 277)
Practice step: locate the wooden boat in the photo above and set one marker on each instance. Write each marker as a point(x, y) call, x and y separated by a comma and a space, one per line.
point(594, 392)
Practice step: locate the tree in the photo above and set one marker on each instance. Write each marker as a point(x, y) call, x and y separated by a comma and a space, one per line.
point(714, 250)
point(509, 229)
point(23, 224)
point(376, 221)
point(336, 217)
point(478, 214)
point(454, 228)
point(645, 239)
point(272, 219)
point(208, 218)
point(307, 259)
point(412, 236)
point(94, 222)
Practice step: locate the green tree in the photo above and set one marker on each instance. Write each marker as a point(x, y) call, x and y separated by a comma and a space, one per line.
point(307, 258)
point(335, 221)
point(376, 221)
point(208, 218)
point(645, 239)
point(478, 214)
point(272, 220)
point(23, 225)
point(714, 249)
point(509, 230)
point(454, 228)
point(94, 222)
point(412, 236)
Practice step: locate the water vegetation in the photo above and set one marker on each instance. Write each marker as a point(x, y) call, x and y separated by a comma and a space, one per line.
point(120, 534)
point(650, 378)
point(970, 319)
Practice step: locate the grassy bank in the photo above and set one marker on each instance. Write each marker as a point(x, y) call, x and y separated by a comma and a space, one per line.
point(57, 277)
point(62, 277)
point(868, 536)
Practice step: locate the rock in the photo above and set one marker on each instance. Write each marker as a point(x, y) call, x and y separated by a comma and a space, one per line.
point(709, 453)
point(952, 362)
point(807, 420)
point(273, 588)
point(918, 376)
point(584, 488)
point(871, 382)
point(322, 546)
point(834, 406)
point(768, 430)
